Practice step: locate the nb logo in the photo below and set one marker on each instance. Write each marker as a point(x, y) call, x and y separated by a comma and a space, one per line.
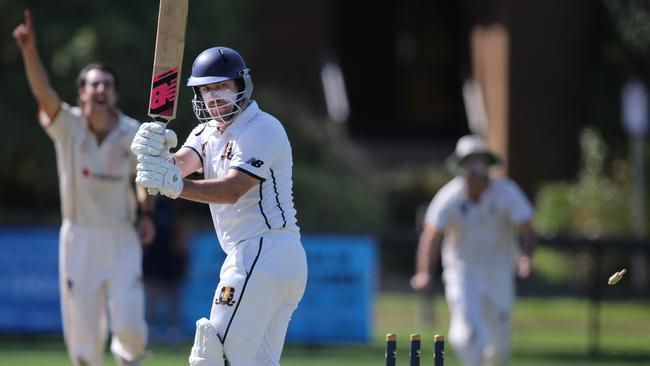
point(226, 296)
point(254, 162)
point(163, 92)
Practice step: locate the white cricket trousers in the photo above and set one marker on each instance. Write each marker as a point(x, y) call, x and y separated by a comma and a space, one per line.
point(262, 281)
point(481, 317)
point(101, 269)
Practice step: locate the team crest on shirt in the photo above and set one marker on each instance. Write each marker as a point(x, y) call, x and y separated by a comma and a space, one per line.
point(227, 152)
point(226, 296)
point(203, 149)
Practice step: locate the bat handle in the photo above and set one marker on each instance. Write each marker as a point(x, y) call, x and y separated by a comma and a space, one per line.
point(163, 122)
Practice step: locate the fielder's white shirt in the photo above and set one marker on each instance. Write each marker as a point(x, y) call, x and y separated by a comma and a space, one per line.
point(255, 144)
point(95, 182)
point(479, 237)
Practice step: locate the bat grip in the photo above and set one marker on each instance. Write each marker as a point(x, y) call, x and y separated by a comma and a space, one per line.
point(163, 122)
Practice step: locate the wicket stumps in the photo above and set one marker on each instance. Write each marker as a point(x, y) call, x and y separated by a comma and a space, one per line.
point(414, 354)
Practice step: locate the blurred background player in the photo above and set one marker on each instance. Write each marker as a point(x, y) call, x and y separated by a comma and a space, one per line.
point(475, 218)
point(164, 266)
point(100, 253)
point(247, 163)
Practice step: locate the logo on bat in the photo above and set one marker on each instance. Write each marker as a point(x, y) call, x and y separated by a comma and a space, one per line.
point(163, 92)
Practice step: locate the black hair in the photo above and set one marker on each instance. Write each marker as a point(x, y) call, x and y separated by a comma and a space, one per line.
point(81, 79)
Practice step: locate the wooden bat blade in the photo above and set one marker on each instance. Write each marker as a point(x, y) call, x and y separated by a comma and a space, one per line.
point(168, 59)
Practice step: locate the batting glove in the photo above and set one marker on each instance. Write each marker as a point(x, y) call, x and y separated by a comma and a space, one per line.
point(157, 174)
point(207, 349)
point(154, 139)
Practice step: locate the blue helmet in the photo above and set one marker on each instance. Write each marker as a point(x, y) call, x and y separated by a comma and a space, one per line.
point(215, 65)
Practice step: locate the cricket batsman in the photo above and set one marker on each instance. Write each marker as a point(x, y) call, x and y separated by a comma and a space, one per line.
point(246, 159)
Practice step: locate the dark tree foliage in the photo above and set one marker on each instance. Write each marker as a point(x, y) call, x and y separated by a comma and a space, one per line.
point(71, 34)
point(121, 33)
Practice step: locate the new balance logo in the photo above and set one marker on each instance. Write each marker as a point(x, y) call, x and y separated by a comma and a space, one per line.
point(254, 162)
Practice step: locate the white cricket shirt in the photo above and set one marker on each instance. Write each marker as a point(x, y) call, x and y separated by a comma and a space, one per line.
point(94, 179)
point(255, 144)
point(480, 237)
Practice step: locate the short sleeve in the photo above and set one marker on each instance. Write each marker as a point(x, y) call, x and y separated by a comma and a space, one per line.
point(195, 141)
point(437, 213)
point(63, 124)
point(257, 149)
point(519, 207)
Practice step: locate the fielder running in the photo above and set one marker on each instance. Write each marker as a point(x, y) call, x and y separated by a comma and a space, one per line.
point(100, 253)
point(246, 159)
point(476, 219)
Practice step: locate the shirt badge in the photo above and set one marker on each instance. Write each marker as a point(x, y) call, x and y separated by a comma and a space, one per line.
point(227, 153)
point(226, 296)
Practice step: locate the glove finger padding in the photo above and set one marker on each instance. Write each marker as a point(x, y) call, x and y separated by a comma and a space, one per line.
point(154, 172)
point(171, 140)
point(149, 178)
point(207, 349)
point(146, 150)
point(151, 135)
point(148, 181)
point(148, 159)
point(154, 127)
point(144, 140)
point(153, 139)
point(155, 168)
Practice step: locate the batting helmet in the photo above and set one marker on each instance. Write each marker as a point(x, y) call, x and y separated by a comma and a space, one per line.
point(215, 65)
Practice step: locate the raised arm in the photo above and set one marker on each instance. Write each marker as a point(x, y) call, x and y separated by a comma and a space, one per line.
point(39, 82)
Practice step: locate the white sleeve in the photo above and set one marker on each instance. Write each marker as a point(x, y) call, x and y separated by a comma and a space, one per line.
point(520, 209)
point(257, 149)
point(61, 126)
point(438, 212)
point(195, 141)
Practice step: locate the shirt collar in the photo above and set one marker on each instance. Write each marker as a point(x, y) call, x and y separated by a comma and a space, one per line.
point(242, 120)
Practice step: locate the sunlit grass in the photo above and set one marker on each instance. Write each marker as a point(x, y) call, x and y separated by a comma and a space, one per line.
point(545, 332)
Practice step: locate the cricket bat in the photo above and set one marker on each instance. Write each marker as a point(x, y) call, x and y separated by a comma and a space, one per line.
point(168, 59)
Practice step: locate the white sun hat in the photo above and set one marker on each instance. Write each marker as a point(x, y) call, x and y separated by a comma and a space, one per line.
point(470, 145)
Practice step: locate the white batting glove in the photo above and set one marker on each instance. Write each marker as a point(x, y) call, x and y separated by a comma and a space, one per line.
point(157, 174)
point(154, 139)
point(207, 349)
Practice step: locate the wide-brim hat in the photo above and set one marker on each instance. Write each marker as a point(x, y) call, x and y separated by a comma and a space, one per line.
point(467, 146)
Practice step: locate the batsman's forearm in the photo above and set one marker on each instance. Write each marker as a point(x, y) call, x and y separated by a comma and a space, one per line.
point(39, 81)
point(209, 191)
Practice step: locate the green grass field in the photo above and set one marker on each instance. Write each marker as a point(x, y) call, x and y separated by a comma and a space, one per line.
point(546, 332)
